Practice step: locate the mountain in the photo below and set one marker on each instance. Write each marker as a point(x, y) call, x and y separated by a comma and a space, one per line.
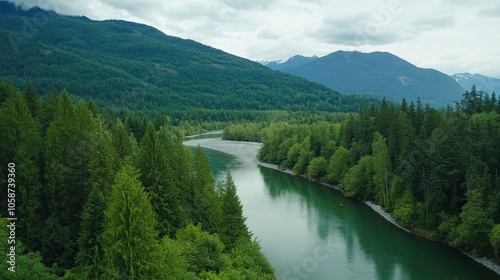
point(484, 83)
point(128, 66)
point(292, 63)
point(377, 73)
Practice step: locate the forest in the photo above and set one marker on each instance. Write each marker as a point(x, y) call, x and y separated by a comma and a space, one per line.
point(95, 201)
point(435, 171)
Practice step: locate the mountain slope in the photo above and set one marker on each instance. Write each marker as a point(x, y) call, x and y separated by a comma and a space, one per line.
point(484, 83)
point(127, 65)
point(378, 73)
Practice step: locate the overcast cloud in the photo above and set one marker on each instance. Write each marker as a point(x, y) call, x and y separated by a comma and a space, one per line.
point(448, 35)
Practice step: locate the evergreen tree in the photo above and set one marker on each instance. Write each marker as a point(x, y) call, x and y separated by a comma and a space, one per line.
point(158, 180)
point(205, 207)
point(90, 257)
point(47, 109)
point(233, 225)
point(179, 162)
point(123, 143)
point(67, 154)
point(102, 163)
point(31, 97)
point(129, 241)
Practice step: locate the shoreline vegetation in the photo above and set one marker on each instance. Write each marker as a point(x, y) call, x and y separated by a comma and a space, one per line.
point(247, 151)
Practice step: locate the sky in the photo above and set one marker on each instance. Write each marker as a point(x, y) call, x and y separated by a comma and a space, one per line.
point(452, 36)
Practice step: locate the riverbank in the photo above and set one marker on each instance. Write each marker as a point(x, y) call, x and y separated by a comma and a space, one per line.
point(206, 133)
point(247, 152)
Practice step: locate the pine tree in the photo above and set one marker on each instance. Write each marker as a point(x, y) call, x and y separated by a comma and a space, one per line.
point(90, 253)
point(129, 241)
point(233, 225)
point(102, 163)
point(31, 97)
point(101, 173)
point(205, 207)
point(157, 178)
point(47, 109)
point(178, 160)
point(123, 143)
point(67, 154)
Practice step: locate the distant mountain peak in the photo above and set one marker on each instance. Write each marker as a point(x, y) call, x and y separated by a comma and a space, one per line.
point(482, 82)
point(294, 61)
point(378, 73)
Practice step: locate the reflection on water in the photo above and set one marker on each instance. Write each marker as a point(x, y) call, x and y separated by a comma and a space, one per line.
point(310, 231)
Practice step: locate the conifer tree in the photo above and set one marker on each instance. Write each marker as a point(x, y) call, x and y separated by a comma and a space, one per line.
point(233, 225)
point(67, 154)
point(123, 143)
point(157, 178)
point(130, 244)
point(90, 253)
point(31, 97)
point(205, 207)
point(102, 163)
point(101, 174)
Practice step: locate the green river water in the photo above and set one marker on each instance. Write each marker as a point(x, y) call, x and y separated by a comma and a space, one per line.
point(310, 231)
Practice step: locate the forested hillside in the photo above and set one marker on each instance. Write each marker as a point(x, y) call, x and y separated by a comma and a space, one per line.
point(436, 171)
point(126, 66)
point(94, 201)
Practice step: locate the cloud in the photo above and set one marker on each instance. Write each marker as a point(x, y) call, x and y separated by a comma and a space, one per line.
point(249, 5)
point(433, 23)
point(490, 12)
point(268, 34)
point(357, 30)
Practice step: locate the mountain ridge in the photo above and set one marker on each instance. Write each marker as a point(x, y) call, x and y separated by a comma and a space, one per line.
point(377, 73)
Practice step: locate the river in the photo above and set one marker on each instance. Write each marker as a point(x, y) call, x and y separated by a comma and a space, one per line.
point(310, 231)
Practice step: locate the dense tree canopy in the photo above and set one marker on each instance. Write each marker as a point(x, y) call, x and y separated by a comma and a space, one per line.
point(97, 205)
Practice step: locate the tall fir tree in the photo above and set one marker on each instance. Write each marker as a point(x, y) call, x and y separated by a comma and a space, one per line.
point(67, 155)
point(233, 225)
point(130, 240)
point(90, 256)
point(31, 97)
point(205, 207)
point(123, 143)
point(157, 178)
